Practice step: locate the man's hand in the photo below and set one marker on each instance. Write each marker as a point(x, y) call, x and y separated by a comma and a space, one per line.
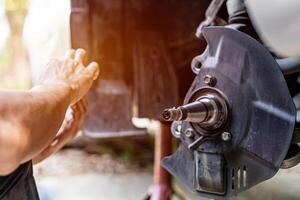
point(71, 73)
point(70, 127)
point(30, 120)
point(71, 77)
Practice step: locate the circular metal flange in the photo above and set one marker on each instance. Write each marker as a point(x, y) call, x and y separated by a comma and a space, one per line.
point(219, 118)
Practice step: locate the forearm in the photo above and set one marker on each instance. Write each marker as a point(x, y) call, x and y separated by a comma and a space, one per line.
point(49, 114)
point(30, 120)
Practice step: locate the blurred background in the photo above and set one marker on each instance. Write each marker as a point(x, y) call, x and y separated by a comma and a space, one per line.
point(14, 60)
point(32, 32)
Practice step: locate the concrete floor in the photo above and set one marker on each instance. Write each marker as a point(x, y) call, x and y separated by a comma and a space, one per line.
point(76, 175)
point(73, 174)
point(132, 186)
point(129, 186)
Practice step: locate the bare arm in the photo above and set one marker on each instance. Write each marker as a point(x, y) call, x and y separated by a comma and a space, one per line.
point(71, 125)
point(29, 120)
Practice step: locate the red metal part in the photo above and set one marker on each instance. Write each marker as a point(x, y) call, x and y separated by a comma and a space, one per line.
point(161, 188)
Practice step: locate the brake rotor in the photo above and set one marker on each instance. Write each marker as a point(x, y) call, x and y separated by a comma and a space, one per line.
point(254, 137)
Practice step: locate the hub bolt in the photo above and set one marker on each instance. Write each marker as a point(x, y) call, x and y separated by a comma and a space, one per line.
point(226, 136)
point(189, 133)
point(210, 80)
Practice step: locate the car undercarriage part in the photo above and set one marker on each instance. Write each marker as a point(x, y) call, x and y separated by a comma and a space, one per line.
point(211, 17)
point(289, 65)
point(144, 48)
point(237, 121)
point(144, 53)
point(110, 117)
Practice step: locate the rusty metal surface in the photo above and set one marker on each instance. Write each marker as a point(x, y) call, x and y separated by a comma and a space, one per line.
point(110, 100)
point(163, 43)
point(80, 18)
point(143, 47)
point(155, 79)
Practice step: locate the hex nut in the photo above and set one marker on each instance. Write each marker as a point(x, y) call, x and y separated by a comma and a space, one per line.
point(209, 80)
point(226, 136)
point(189, 133)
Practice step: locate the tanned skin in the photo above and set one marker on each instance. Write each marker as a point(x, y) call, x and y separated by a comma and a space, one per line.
point(31, 122)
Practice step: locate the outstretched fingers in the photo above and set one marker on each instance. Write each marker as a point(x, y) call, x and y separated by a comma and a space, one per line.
point(80, 56)
point(93, 70)
point(70, 54)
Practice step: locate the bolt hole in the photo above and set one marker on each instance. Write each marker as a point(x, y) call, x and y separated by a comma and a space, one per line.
point(196, 64)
